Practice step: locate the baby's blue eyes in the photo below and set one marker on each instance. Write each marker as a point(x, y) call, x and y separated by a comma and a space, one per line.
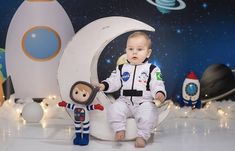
point(138, 49)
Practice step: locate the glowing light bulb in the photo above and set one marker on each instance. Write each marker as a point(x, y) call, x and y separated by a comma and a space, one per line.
point(155, 129)
point(169, 106)
point(220, 112)
point(11, 102)
point(208, 105)
point(49, 97)
point(18, 111)
point(177, 107)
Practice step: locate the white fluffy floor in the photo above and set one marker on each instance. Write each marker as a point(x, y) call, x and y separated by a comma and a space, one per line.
point(208, 129)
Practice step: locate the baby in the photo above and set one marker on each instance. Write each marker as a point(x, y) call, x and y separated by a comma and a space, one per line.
point(140, 83)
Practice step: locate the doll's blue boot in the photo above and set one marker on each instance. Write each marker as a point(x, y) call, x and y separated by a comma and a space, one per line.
point(84, 140)
point(81, 139)
point(76, 140)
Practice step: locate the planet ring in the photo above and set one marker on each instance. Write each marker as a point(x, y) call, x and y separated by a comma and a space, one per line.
point(182, 5)
point(222, 95)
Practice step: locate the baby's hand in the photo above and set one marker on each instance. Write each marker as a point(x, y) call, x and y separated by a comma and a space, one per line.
point(101, 86)
point(160, 96)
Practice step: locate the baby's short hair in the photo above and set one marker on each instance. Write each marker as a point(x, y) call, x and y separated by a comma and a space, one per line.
point(141, 33)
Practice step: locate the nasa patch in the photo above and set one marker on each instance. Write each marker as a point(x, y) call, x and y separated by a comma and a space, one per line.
point(125, 76)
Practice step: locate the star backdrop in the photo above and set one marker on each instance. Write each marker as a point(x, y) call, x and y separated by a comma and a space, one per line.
point(185, 40)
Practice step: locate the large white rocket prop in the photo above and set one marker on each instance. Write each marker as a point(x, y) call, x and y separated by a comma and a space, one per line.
point(36, 37)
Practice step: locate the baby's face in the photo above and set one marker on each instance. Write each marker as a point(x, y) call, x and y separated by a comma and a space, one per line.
point(137, 50)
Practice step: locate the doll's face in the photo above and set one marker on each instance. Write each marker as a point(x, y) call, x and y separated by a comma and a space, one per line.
point(81, 93)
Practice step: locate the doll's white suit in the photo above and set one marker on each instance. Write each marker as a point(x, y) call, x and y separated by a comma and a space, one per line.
point(138, 86)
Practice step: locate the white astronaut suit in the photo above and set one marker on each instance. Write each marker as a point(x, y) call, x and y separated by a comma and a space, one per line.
point(139, 85)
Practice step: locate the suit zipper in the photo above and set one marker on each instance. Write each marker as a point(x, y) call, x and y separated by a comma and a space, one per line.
point(133, 84)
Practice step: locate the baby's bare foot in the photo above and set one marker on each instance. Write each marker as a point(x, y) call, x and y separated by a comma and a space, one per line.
point(140, 142)
point(120, 135)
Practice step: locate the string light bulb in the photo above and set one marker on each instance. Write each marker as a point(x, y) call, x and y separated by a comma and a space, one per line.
point(220, 111)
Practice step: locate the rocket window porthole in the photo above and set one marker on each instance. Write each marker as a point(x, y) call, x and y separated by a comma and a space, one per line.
point(41, 43)
point(191, 89)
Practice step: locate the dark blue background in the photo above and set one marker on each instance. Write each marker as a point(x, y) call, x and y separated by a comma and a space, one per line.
point(185, 40)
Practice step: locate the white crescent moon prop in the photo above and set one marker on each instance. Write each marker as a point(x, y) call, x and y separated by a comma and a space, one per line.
point(79, 62)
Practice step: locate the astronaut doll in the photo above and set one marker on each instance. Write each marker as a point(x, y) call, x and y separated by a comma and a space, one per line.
point(82, 93)
point(190, 92)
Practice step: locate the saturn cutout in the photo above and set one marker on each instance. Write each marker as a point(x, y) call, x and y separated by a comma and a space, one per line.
point(79, 62)
point(217, 83)
point(165, 6)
